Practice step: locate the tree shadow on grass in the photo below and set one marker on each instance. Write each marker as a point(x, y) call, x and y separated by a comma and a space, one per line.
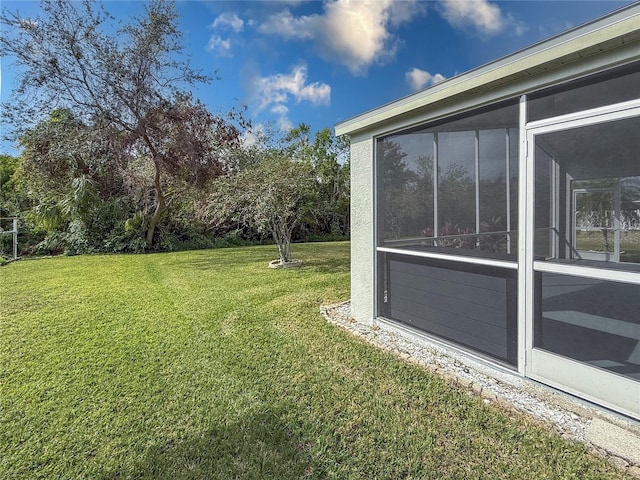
point(324, 258)
point(329, 264)
point(326, 264)
point(260, 446)
point(230, 259)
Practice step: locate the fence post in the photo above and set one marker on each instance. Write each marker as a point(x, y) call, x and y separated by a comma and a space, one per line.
point(15, 238)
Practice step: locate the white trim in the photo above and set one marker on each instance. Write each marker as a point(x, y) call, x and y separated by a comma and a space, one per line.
point(588, 272)
point(436, 144)
point(476, 146)
point(587, 381)
point(522, 239)
point(608, 113)
point(453, 258)
point(508, 187)
point(529, 238)
point(554, 180)
point(527, 179)
point(376, 227)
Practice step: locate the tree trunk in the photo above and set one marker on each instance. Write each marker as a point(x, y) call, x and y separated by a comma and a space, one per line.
point(161, 206)
point(283, 240)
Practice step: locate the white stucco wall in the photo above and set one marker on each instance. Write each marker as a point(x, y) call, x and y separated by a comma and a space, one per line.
point(362, 225)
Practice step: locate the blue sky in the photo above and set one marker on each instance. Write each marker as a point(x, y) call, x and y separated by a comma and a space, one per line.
point(324, 62)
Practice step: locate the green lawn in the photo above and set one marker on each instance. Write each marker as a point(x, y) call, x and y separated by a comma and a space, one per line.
point(209, 365)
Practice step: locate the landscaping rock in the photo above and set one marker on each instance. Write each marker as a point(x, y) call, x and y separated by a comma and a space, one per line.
point(572, 420)
point(289, 264)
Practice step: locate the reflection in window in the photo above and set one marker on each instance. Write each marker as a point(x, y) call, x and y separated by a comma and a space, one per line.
point(456, 185)
point(407, 186)
point(471, 205)
point(630, 219)
point(545, 234)
point(492, 188)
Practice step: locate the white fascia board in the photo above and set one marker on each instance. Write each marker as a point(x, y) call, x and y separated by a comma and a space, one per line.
point(622, 26)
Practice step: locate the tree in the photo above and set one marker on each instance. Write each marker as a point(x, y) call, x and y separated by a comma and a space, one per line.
point(270, 195)
point(64, 168)
point(328, 157)
point(399, 199)
point(9, 202)
point(127, 85)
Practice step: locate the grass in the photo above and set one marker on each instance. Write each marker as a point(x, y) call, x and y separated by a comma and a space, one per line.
point(209, 365)
point(629, 244)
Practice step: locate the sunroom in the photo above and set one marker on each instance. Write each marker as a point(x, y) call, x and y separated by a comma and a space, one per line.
point(498, 212)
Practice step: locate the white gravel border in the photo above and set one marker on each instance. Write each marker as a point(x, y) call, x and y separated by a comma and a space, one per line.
point(566, 415)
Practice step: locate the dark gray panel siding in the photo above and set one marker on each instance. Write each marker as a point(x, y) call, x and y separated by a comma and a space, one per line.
point(469, 305)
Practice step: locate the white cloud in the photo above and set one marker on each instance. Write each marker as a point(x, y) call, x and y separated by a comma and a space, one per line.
point(418, 79)
point(279, 109)
point(353, 33)
point(484, 17)
point(219, 46)
point(286, 25)
point(284, 124)
point(228, 20)
point(277, 89)
point(404, 11)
